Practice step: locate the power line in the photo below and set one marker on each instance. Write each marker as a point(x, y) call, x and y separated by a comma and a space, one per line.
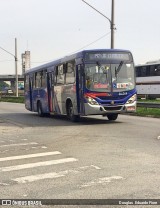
point(92, 42)
point(112, 25)
point(97, 11)
point(78, 49)
point(7, 51)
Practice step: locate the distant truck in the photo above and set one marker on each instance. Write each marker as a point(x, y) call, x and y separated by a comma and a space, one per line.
point(7, 91)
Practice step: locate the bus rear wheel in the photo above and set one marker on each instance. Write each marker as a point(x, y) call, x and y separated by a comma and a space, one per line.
point(70, 113)
point(112, 117)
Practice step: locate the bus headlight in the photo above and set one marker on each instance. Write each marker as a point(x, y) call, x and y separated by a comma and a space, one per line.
point(132, 99)
point(91, 101)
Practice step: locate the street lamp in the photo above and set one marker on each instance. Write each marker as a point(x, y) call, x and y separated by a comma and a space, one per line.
point(111, 21)
point(16, 67)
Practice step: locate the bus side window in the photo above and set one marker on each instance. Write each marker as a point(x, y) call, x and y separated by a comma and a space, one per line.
point(70, 73)
point(143, 71)
point(38, 80)
point(152, 70)
point(27, 83)
point(147, 71)
point(55, 76)
point(60, 75)
point(43, 75)
point(34, 79)
point(157, 70)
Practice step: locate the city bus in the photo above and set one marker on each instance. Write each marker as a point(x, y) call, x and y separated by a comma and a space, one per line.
point(148, 79)
point(90, 82)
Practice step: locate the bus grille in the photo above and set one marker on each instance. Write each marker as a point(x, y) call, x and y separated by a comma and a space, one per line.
point(112, 98)
point(110, 108)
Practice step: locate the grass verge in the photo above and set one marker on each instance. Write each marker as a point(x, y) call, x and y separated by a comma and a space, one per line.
point(12, 99)
point(149, 112)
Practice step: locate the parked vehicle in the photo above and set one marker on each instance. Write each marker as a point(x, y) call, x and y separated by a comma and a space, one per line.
point(7, 91)
point(148, 79)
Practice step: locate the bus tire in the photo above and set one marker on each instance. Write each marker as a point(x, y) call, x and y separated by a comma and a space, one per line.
point(112, 117)
point(70, 113)
point(39, 109)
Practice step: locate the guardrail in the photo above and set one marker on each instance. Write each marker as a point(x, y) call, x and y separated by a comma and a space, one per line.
point(148, 105)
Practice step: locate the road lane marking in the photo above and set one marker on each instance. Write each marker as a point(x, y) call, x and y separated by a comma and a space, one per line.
point(4, 184)
point(38, 177)
point(102, 181)
point(29, 156)
point(52, 175)
point(38, 164)
point(96, 167)
point(20, 144)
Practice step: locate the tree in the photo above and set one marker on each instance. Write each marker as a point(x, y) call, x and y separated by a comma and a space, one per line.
point(3, 85)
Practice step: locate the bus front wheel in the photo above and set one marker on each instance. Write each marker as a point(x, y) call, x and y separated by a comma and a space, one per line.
point(70, 113)
point(112, 117)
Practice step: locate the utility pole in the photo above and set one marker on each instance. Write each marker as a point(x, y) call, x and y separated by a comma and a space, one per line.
point(111, 21)
point(16, 68)
point(112, 25)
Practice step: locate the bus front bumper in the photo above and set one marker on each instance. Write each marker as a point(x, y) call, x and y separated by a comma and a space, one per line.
point(102, 110)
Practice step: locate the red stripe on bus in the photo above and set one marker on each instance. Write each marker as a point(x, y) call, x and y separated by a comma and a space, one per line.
point(94, 95)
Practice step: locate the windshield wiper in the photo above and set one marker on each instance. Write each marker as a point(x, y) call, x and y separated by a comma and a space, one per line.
point(118, 69)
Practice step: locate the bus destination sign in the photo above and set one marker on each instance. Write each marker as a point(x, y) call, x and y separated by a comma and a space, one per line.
point(107, 56)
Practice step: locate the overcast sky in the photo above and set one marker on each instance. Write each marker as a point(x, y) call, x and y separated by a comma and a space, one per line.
point(51, 29)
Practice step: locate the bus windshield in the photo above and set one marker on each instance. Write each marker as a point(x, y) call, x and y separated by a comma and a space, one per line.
point(110, 77)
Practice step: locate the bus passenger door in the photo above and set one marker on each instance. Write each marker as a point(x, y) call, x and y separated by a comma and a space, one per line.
point(80, 90)
point(50, 90)
point(30, 92)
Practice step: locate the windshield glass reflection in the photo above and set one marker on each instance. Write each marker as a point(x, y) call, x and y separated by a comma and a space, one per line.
point(107, 77)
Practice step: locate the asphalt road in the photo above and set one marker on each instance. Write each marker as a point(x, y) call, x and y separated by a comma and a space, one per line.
point(53, 158)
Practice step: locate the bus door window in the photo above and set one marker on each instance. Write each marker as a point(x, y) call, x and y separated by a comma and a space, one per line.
point(27, 83)
point(60, 75)
point(52, 82)
point(58, 89)
point(34, 80)
point(43, 77)
point(28, 92)
point(80, 90)
point(49, 90)
point(38, 80)
point(55, 76)
point(70, 73)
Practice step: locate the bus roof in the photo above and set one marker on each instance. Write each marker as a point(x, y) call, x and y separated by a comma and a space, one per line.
point(149, 63)
point(71, 57)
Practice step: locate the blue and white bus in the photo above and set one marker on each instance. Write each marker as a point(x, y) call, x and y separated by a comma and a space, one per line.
point(90, 82)
point(148, 79)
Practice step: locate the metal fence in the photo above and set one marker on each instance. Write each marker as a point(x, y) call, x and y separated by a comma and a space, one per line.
point(148, 105)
